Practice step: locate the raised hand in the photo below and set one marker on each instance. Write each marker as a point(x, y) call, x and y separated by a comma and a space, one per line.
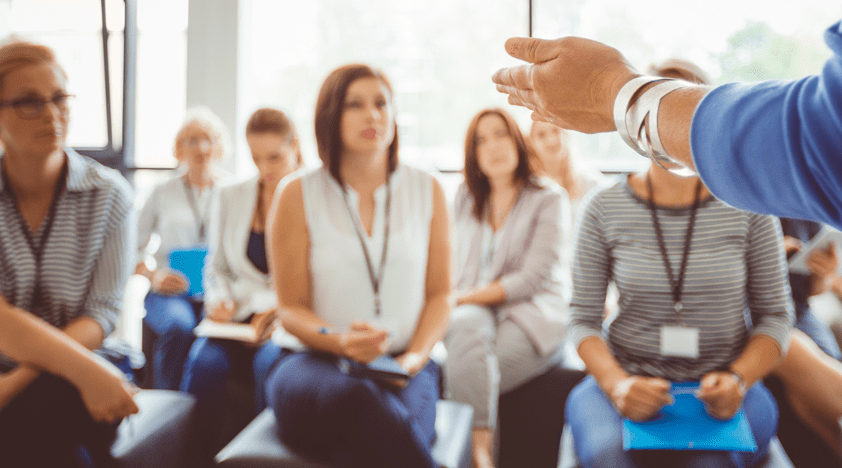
point(570, 82)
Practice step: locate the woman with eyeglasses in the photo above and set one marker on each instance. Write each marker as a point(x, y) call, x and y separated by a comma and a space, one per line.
point(66, 242)
point(178, 211)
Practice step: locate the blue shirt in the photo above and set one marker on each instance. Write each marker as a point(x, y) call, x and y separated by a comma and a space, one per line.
point(775, 147)
point(87, 256)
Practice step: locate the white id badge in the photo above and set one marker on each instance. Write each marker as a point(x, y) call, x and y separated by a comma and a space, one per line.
point(680, 342)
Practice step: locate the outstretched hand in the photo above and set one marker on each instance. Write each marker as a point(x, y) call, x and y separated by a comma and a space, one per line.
point(570, 82)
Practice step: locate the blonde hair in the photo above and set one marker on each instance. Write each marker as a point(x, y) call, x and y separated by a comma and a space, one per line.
point(16, 53)
point(205, 119)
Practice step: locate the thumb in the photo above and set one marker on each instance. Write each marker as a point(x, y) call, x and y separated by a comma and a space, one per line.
point(660, 384)
point(530, 49)
point(709, 382)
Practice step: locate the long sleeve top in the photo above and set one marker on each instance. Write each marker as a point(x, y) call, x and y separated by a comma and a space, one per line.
point(776, 146)
point(736, 263)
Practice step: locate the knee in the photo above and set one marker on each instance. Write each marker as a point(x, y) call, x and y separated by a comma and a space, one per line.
point(470, 325)
point(207, 358)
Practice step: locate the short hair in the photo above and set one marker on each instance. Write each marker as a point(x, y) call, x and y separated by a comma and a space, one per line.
point(204, 118)
point(475, 180)
point(329, 108)
point(683, 69)
point(16, 53)
point(270, 120)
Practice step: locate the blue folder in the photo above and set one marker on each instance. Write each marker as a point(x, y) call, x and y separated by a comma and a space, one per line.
point(191, 263)
point(686, 425)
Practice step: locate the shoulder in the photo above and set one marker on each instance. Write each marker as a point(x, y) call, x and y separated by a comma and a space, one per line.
point(87, 175)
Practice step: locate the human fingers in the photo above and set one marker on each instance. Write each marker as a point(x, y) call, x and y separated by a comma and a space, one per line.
point(519, 77)
point(531, 49)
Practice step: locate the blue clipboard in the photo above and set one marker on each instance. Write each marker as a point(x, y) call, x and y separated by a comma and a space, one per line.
point(191, 263)
point(685, 425)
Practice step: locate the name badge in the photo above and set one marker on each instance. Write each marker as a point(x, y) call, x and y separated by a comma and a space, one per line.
point(680, 342)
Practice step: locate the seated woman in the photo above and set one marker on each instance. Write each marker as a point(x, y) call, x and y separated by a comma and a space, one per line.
point(359, 251)
point(686, 266)
point(238, 287)
point(552, 157)
point(178, 211)
point(66, 239)
point(510, 270)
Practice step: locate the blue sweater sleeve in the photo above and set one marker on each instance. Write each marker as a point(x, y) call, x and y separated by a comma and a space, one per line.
point(775, 147)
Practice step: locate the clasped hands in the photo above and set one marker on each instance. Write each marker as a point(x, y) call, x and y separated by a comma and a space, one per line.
point(364, 342)
point(640, 398)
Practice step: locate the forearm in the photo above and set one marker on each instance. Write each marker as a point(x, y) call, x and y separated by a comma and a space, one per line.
point(760, 356)
point(307, 327)
point(432, 325)
point(491, 295)
point(85, 331)
point(675, 117)
point(600, 363)
point(14, 382)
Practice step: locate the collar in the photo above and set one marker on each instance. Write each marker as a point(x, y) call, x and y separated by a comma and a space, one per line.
point(80, 178)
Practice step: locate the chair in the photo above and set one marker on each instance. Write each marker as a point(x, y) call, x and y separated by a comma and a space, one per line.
point(257, 446)
point(156, 436)
point(775, 459)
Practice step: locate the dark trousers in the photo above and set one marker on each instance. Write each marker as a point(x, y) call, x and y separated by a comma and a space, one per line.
point(348, 421)
point(48, 425)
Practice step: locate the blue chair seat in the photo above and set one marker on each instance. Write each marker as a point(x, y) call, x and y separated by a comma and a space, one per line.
point(258, 446)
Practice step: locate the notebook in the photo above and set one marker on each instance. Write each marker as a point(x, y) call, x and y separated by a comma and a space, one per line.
point(226, 331)
point(383, 368)
point(685, 425)
point(190, 262)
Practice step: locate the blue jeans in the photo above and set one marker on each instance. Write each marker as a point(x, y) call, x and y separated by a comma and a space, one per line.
point(210, 364)
point(173, 319)
point(598, 433)
point(347, 421)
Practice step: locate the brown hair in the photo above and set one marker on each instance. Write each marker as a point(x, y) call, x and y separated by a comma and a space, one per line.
point(16, 53)
point(329, 108)
point(476, 181)
point(269, 120)
point(682, 69)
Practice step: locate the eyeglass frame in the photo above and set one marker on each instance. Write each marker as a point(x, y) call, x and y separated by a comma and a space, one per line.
point(42, 104)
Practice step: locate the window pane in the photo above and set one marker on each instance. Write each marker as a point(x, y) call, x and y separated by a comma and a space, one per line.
point(439, 56)
point(161, 79)
point(731, 40)
point(72, 28)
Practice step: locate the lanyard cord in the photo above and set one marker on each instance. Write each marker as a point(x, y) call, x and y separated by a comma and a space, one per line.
point(194, 206)
point(38, 296)
point(375, 279)
point(676, 284)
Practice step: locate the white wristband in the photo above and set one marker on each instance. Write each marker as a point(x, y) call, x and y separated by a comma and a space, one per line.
point(621, 107)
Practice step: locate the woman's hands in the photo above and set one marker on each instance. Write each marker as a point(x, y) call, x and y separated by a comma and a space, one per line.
point(722, 394)
point(639, 398)
point(264, 324)
point(363, 342)
point(168, 282)
point(222, 311)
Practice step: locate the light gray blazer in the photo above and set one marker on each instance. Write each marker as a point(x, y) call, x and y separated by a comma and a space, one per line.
point(530, 262)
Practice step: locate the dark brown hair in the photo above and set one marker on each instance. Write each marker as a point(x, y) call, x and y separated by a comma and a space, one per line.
point(476, 181)
point(329, 108)
point(269, 120)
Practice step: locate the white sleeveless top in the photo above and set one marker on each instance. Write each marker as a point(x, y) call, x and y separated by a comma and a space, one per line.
point(342, 289)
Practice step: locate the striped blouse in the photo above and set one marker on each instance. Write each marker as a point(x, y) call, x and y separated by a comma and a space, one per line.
point(88, 253)
point(735, 286)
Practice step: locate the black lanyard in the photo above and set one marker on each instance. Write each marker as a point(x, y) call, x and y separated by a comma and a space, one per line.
point(676, 284)
point(39, 299)
point(194, 205)
point(375, 279)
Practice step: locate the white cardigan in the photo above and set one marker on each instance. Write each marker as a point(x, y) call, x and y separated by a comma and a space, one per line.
point(229, 274)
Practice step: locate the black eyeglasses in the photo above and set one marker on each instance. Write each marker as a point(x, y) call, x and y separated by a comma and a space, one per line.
point(33, 107)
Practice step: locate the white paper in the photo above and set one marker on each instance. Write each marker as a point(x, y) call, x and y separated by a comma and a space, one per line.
point(798, 262)
point(228, 331)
